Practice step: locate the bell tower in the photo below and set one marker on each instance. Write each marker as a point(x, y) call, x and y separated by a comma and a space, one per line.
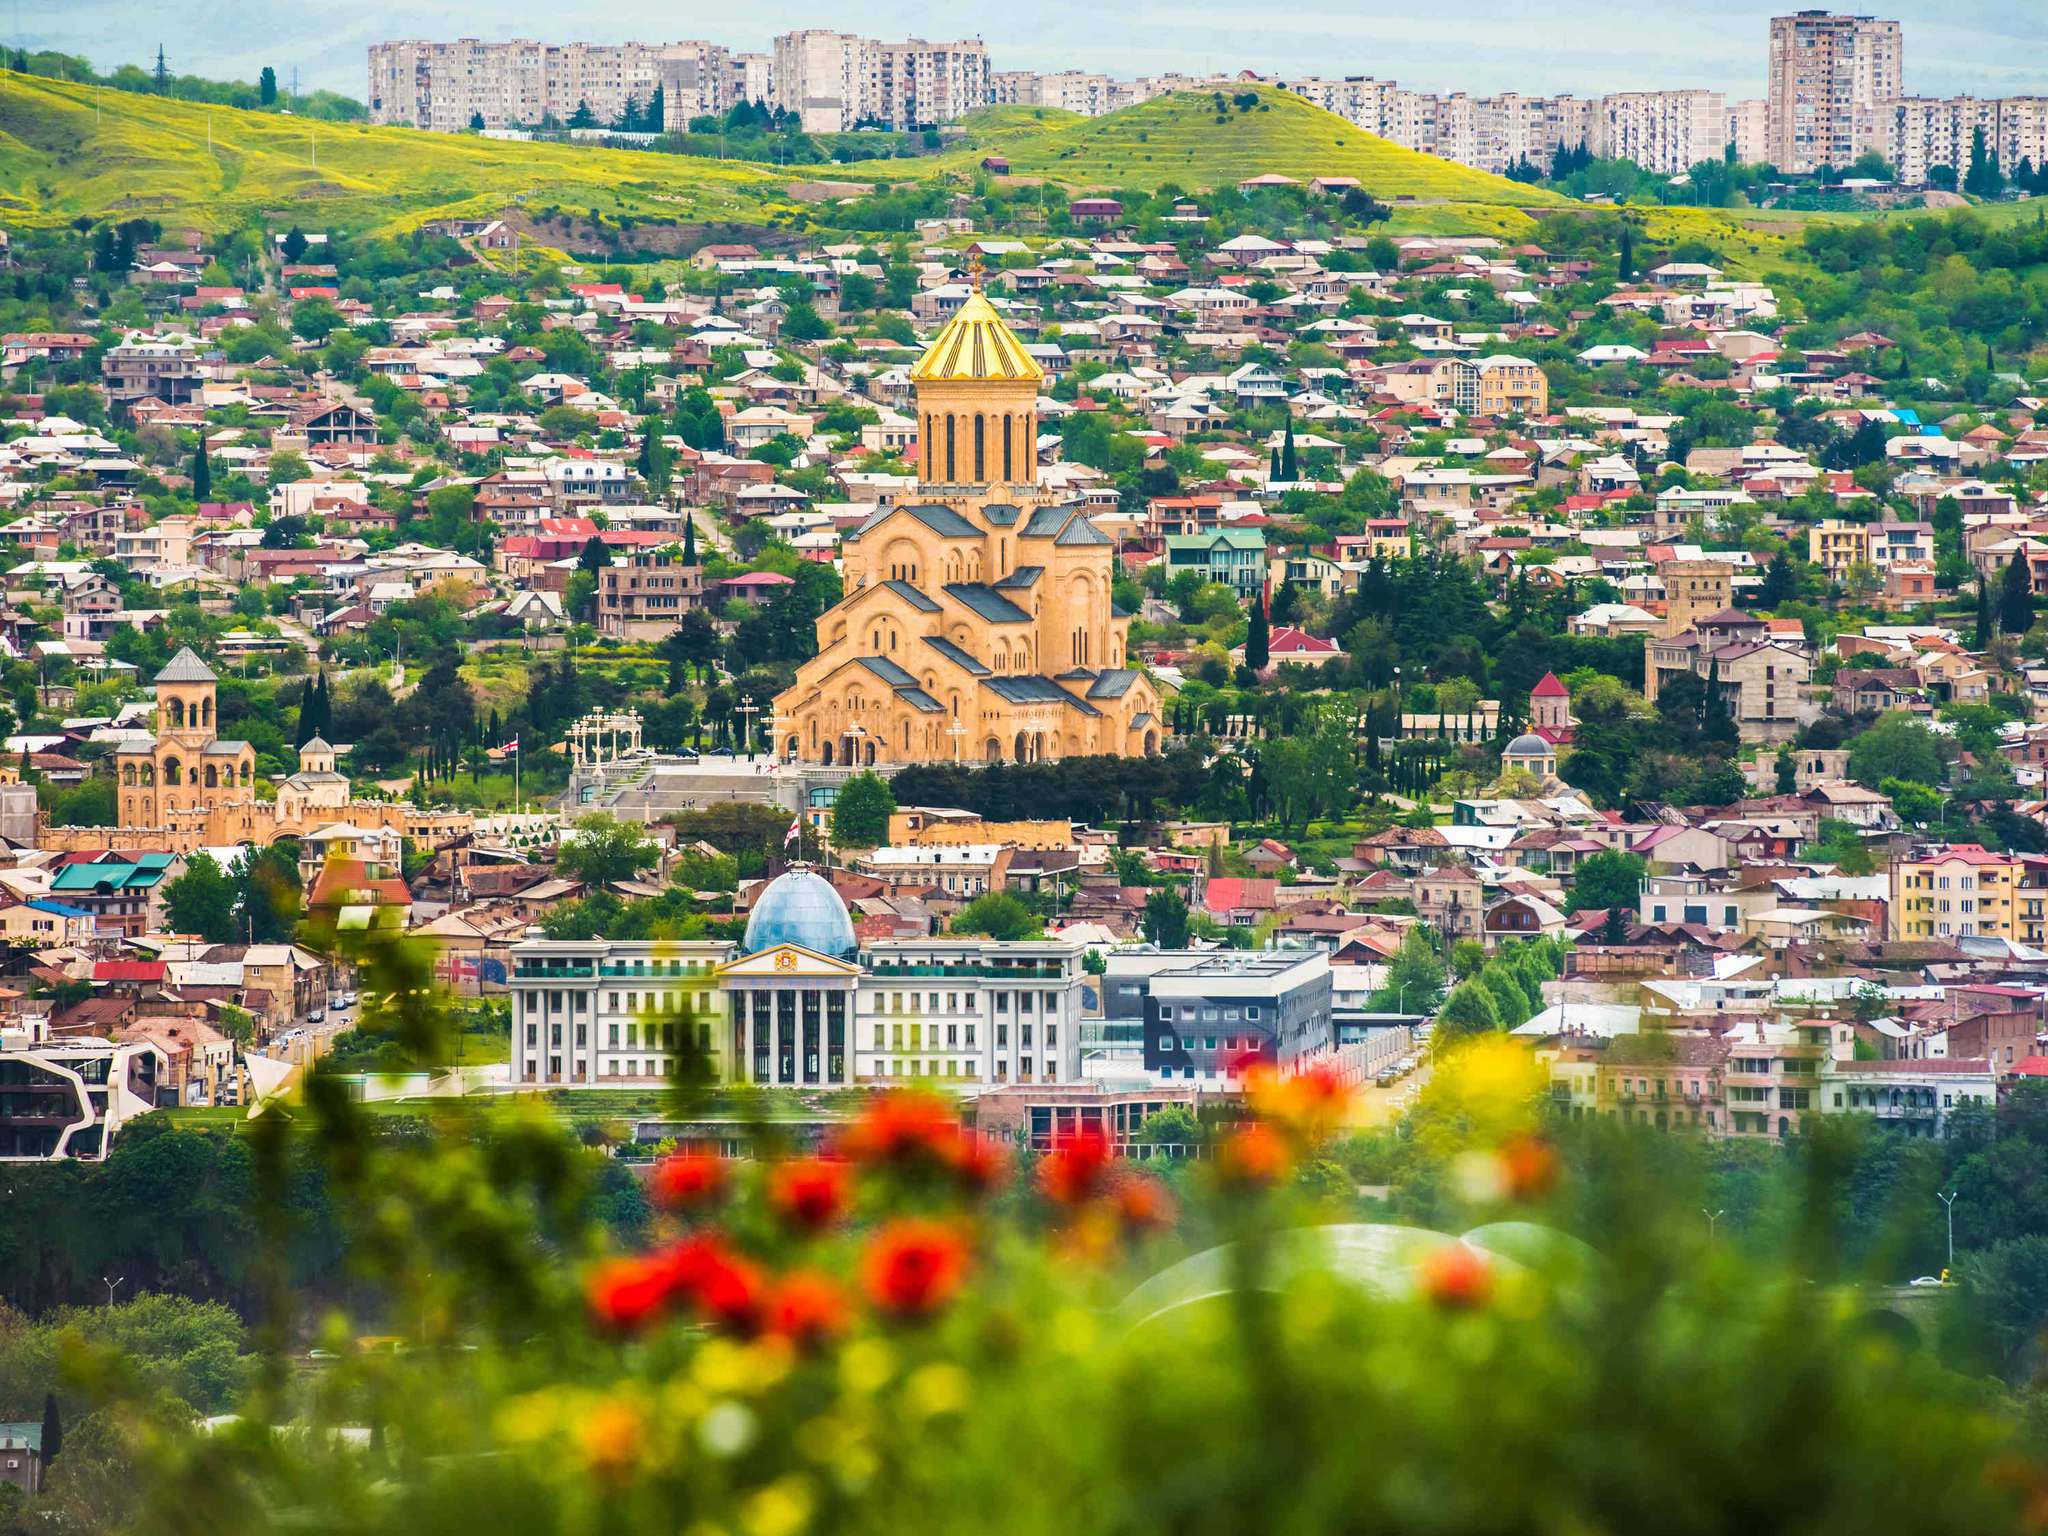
point(977, 400)
point(185, 692)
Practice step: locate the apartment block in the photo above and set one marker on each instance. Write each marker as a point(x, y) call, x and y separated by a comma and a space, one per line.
point(1948, 891)
point(1748, 129)
point(835, 81)
point(1827, 77)
point(448, 87)
point(1667, 132)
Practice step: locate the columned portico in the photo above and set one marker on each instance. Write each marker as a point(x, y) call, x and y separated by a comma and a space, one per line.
point(791, 1013)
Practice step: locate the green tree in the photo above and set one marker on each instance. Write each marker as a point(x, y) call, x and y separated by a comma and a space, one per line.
point(202, 472)
point(602, 849)
point(999, 915)
point(2016, 596)
point(266, 87)
point(1787, 781)
point(1415, 977)
point(1895, 747)
point(860, 814)
point(1166, 918)
point(1258, 639)
point(1608, 879)
point(1469, 1010)
point(202, 900)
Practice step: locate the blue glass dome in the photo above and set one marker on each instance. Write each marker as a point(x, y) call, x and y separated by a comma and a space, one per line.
point(800, 907)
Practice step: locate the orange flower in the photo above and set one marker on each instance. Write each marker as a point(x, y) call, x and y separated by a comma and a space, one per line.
point(1143, 1204)
point(687, 1179)
point(610, 1436)
point(1253, 1157)
point(807, 1309)
point(1308, 1103)
point(628, 1293)
point(902, 1127)
point(977, 1166)
point(1457, 1277)
point(1529, 1164)
point(914, 1267)
point(1076, 1165)
point(810, 1193)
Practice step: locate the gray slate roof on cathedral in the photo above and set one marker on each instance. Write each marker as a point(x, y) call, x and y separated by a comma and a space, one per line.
point(943, 521)
point(1025, 576)
point(1114, 683)
point(961, 659)
point(912, 596)
point(985, 602)
point(185, 667)
point(1026, 689)
point(887, 671)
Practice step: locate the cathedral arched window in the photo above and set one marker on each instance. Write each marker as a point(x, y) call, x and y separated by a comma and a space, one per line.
point(176, 710)
point(174, 771)
point(1009, 431)
point(980, 450)
point(951, 477)
point(245, 773)
point(206, 712)
point(211, 778)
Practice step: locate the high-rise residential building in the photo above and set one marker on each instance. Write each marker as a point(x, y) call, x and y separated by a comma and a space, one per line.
point(1748, 129)
point(1828, 76)
point(835, 81)
point(449, 87)
point(1666, 132)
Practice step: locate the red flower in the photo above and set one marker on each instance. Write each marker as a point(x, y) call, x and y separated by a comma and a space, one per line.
point(1143, 1204)
point(914, 1267)
point(1253, 1157)
point(732, 1294)
point(626, 1294)
point(1531, 1166)
point(810, 1193)
point(689, 1178)
point(902, 1127)
point(977, 1166)
point(1457, 1277)
point(1075, 1168)
point(808, 1309)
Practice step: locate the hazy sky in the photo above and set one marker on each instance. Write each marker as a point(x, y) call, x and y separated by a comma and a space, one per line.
point(1952, 46)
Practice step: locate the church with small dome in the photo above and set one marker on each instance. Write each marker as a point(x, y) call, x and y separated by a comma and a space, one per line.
point(977, 623)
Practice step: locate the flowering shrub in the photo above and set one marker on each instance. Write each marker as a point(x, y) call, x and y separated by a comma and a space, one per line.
point(909, 1332)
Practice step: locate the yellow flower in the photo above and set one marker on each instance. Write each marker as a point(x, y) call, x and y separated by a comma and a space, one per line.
point(781, 1509)
point(936, 1389)
point(866, 1366)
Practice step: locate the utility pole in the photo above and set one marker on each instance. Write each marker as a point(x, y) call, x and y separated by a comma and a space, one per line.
point(1713, 1220)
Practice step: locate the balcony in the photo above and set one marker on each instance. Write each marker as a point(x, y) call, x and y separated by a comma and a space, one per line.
point(996, 972)
point(529, 972)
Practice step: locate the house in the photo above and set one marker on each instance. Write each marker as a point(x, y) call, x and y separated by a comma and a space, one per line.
point(1236, 557)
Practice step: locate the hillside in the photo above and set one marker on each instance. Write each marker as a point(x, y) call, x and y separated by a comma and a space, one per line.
point(1178, 139)
point(145, 155)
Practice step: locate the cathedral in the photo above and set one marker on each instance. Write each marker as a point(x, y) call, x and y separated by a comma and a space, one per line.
point(977, 624)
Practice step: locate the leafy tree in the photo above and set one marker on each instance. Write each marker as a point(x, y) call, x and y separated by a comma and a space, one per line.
point(804, 323)
point(1469, 1010)
point(999, 915)
point(1787, 781)
point(53, 1429)
point(1608, 879)
point(604, 849)
point(1415, 977)
point(1895, 747)
point(201, 901)
point(860, 814)
point(202, 472)
point(294, 243)
point(1166, 918)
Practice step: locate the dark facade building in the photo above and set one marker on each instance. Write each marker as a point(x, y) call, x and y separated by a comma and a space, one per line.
point(1208, 1015)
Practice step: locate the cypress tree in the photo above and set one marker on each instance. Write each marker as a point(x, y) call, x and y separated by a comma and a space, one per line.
point(53, 1429)
point(202, 472)
point(1290, 470)
point(1258, 640)
point(689, 540)
point(1983, 613)
point(2016, 601)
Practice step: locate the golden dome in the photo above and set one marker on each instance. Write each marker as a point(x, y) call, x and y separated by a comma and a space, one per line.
point(975, 346)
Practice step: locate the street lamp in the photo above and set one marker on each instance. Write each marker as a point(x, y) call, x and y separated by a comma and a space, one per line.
point(1949, 1200)
point(110, 1285)
point(750, 709)
point(1713, 1220)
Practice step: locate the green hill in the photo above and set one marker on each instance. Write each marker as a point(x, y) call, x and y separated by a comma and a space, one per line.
point(65, 152)
point(1180, 139)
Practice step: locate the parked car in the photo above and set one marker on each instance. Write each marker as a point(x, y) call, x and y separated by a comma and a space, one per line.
point(317, 1016)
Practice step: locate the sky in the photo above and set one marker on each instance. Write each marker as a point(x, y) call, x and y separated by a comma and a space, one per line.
point(1986, 47)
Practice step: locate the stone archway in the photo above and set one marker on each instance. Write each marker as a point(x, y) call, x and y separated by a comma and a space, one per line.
point(992, 750)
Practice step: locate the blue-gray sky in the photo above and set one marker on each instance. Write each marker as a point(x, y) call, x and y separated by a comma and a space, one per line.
point(1983, 46)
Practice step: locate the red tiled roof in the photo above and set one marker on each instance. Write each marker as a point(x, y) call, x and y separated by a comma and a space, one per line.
point(128, 970)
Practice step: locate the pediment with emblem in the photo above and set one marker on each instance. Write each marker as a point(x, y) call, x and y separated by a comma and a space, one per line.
point(786, 962)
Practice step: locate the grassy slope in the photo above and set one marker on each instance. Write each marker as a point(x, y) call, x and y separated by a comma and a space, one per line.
point(1177, 139)
point(149, 156)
